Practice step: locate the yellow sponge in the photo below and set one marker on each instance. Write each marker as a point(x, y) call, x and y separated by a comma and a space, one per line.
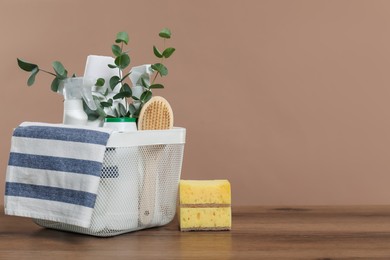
point(205, 205)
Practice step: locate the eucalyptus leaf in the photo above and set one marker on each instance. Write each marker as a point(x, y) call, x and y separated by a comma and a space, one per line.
point(55, 84)
point(116, 113)
point(59, 69)
point(126, 88)
point(122, 37)
point(100, 82)
point(120, 95)
point(122, 109)
point(92, 114)
point(31, 79)
point(101, 112)
point(138, 111)
point(165, 33)
point(144, 83)
point(105, 92)
point(105, 104)
point(26, 66)
point(127, 94)
point(134, 97)
point(116, 50)
point(168, 52)
point(132, 109)
point(156, 86)
point(160, 68)
point(111, 66)
point(114, 80)
point(122, 61)
point(157, 52)
point(146, 96)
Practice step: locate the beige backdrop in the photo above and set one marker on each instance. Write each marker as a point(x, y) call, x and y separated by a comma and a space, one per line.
point(289, 100)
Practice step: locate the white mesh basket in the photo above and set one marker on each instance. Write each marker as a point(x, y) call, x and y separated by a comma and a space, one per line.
point(139, 183)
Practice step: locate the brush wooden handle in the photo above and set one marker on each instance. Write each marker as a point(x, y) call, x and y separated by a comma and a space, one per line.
point(148, 195)
point(156, 114)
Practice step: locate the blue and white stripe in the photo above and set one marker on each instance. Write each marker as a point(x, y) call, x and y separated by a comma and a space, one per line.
point(54, 172)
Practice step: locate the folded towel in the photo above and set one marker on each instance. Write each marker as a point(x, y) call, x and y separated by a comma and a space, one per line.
point(54, 172)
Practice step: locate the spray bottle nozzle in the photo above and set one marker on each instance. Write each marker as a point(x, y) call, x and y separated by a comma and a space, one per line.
point(78, 88)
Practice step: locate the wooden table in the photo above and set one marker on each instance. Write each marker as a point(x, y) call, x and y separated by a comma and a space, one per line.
point(348, 232)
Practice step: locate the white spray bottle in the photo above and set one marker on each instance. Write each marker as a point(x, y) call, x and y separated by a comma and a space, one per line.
point(74, 91)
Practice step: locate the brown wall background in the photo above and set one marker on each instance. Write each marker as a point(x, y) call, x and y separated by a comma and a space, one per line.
point(289, 100)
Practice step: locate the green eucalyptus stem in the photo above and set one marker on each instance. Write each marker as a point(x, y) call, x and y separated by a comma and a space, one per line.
point(120, 71)
point(48, 72)
point(120, 82)
point(155, 77)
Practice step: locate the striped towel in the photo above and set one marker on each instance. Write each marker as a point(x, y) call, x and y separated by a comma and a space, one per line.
point(54, 172)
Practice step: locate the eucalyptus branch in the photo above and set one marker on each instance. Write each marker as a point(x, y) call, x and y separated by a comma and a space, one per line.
point(60, 72)
point(160, 68)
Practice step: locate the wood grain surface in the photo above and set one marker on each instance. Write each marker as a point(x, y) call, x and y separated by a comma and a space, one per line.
point(322, 233)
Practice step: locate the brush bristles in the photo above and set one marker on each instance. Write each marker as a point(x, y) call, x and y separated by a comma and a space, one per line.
point(156, 115)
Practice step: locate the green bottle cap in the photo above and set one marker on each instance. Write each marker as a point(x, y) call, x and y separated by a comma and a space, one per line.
point(119, 119)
